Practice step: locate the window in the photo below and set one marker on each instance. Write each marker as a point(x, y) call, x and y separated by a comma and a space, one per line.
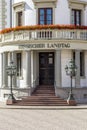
point(18, 9)
point(81, 62)
point(76, 17)
point(77, 10)
point(45, 16)
point(19, 18)
point(19, 57)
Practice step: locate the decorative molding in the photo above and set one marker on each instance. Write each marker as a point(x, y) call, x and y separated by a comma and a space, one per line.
point(44, 1)
point(19, 6)
point(77, 1)
point(39, 2)
point(77, 4)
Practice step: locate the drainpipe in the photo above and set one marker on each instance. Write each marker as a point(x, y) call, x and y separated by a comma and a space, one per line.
point(11, 2)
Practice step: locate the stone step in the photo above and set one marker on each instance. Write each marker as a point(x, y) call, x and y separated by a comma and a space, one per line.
point(49, 96)
point(41, 104)
point(28, 99)
point(43, 100)
point(42, 91)
point(42, 96)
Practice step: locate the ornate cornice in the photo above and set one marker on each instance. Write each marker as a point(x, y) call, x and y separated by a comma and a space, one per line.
point(36, 2)
point(78, 2)
point(43, 1)
point(19, 5)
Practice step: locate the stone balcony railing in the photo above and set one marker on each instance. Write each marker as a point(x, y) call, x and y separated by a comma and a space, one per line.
point(44, 34)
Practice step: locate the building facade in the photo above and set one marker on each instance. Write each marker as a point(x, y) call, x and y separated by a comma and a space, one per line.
point(42, 36)
point(2, 14)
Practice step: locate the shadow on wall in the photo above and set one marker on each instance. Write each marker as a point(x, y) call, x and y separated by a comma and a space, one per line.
point(27, 7)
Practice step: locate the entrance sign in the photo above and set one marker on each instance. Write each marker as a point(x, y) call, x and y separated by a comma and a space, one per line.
point(45, 46)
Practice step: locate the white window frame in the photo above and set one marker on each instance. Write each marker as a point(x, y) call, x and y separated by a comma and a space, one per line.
point(19, 7)
point(20, 75)
point(78, 5)
point(73, 52)
point(45, 4)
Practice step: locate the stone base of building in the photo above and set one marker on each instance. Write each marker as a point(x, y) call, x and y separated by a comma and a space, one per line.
point(71, 102)
point(80, 94)
point(11, 99)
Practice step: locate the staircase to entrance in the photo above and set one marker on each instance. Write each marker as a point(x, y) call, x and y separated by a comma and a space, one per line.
point(44, 95)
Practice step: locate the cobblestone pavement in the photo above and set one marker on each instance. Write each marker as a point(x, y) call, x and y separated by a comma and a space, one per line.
point(43, 119)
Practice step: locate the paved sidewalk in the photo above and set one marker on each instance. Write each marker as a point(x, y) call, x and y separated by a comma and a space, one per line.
point(43, 118)
point(79, 106)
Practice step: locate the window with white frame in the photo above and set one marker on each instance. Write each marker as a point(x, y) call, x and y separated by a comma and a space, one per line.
point(19, 18)
point(45, 16)
point(82, 72)
point(77, 10)
point(19, 64)
point(76, 17)
point(19, 13)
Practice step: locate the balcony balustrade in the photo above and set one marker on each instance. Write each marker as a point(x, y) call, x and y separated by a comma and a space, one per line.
point(44, 34)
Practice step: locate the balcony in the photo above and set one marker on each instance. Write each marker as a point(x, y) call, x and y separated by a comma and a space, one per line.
point(32, 34)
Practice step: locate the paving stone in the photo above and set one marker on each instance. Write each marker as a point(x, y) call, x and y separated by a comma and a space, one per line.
point(43, 119)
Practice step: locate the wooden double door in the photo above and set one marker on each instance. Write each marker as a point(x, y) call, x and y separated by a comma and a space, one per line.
point(46, 68)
